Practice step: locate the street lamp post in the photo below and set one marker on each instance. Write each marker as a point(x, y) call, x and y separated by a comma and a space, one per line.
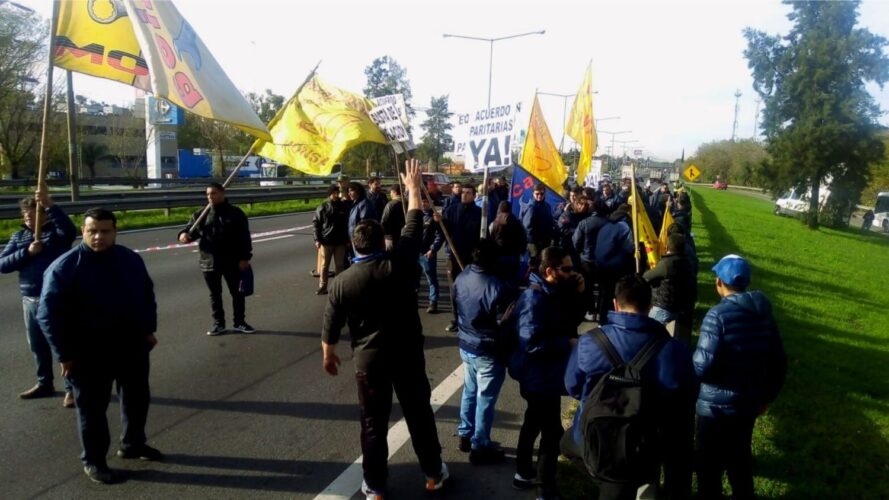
point(613, 134)
point(484, 228)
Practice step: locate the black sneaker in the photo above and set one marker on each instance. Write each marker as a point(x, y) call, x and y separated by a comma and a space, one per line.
point(142, 452)
point(98, 473)
point(522, 483)
point(465, 444)
point(216, 329)
point(486, 456)
point(38, 391)
point(243, 327)
point(452, 327)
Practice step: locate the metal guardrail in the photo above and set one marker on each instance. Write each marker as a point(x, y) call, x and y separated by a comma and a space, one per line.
point(143, 182)
point(185, 199)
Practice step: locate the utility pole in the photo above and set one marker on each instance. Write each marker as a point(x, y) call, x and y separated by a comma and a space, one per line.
point(737, 110)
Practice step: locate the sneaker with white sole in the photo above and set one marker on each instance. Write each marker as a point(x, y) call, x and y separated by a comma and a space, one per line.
point(243, 328)
point(522, 483)
point(370, 493)
point(436, 483)
point(216, 329)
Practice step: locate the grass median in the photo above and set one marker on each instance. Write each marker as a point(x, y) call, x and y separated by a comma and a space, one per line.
point(141, 219)
point(827, 435)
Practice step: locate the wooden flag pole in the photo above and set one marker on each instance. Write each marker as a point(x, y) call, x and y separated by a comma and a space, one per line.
point(635, 217)
point(47, 108)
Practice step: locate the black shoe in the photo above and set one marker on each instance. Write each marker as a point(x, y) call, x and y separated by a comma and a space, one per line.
point(465, 444)
point(486, 456)
point(243, 327)
point(314, 273)
point(321, 291)
point(522, 483)
point(98, 473)
point(216, 329)
point(142, 452)
point(38, 391)
point(433, 307)
point(452, 327)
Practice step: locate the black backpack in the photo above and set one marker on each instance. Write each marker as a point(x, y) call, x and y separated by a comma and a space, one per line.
point(618, 425)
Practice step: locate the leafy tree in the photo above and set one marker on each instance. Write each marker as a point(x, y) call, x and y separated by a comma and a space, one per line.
point(819, 120)
point(266, 105)
point(91, 153)
point(879, 177)
point(127, 143)
point(386, 77)
point(735, 162)
point(438, 140)
point(220, 136)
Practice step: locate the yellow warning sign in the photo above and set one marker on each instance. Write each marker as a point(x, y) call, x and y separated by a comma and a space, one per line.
point(691, 173)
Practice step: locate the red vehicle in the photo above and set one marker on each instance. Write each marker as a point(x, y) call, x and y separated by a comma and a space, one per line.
point(720, 184)
point(439, 179)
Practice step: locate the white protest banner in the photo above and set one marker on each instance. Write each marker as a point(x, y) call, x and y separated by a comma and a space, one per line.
point(484, 138)
point(388, 119)
point(396, 100)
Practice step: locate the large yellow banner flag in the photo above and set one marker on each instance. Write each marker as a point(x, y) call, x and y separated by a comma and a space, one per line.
point(582, 127)
point(665, 225)
point(149, 45)
point(316, 126)
point(540, 156)
point(644, 229)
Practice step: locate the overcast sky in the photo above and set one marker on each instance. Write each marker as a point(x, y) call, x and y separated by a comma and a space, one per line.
point(668, 69)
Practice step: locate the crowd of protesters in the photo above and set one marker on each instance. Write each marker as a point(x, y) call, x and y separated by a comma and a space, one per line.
point(519, 294)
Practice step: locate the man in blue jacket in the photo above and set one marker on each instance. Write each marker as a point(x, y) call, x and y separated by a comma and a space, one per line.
point(99, 315)
point(463, 222)
point(548, 313)
point(31, 258)
point(481, 296)
point(741, 363)
point(614, 256)
point(629, 328)
point(537, 217)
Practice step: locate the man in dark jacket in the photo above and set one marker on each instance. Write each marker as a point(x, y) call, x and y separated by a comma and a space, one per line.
point(393, 217)
point(376, 196)
point(331, 233)
point(584, 241)
point(509, 235)
point(614, 257)
point(429, 247)
point(741, 363)
point(609, 198)
point(629, 328)
point(481, 297)
point(362, 208)
point(376, 298)
point(225, 252)
point(548, 313)
point(31, 258)
point(463, 222)
point(99, 315)
point(672, 282)
point(537, 218)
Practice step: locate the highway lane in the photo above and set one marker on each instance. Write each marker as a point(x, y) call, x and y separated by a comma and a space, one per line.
point(236, 415)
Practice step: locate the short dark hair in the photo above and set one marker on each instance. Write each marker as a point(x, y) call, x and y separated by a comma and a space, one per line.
point(485, 254)
point(358, 188)
point(504, 207)
point(539, 188)
point(98, 214)
point(332, 189)
point(633, 291)
point(395, 188)
point(216, 185)
point(470, 187)
point(28, 203)
point(551, 257)
point(676, 242)
point(368, 237)
point(578, 191)
point(676, 228)
point(372, 179)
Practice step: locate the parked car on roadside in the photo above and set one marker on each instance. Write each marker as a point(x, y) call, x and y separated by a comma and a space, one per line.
point(440, 179)
point(720, 184)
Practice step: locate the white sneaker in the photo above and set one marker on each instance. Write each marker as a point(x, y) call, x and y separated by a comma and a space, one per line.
point(369, 493)
point(436, 483)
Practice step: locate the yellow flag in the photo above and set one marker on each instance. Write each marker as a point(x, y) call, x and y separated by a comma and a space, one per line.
point(97, 39)
point(316, 126)
point(644, 230)
point(662, 239)
point(582, 127)
point(540, 156)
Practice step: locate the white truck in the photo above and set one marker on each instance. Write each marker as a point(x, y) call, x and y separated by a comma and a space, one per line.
point(881, 212)
point(795, 202)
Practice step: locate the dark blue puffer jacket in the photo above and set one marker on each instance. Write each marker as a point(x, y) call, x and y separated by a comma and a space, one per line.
point(463, 222)
point(740, 358)
point(57, 235)
point(480, 298)
point(585, 237)
point(361, 209)
point(537, 218)
point(547, 320)
point(614, 245)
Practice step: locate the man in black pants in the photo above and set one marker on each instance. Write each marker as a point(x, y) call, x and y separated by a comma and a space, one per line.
point(376, 297)
point(463, 222)
point(225, 252)
point(98, 313)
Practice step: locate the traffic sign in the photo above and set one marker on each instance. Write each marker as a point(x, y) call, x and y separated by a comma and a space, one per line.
point(691, 173)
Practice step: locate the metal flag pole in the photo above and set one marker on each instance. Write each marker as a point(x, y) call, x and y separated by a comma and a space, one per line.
point(635, 216)
point(72, 139)
point(234, 173)
point(47, 107)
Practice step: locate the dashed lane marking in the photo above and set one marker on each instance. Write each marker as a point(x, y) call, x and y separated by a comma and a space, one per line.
point(255, 236)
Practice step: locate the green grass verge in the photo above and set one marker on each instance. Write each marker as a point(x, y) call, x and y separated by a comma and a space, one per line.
point(827, 435)
point(141, 219)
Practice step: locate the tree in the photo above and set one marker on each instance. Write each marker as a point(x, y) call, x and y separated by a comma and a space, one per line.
point(879, 177)
point(92, 152)
point(127, 143)
point(266, 105)
point(735, 162)
point(437, 140)
point(220, 136)
point(386, 77)
point(819, 121)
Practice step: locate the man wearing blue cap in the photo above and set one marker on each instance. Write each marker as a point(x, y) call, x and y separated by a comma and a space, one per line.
point(741, 363)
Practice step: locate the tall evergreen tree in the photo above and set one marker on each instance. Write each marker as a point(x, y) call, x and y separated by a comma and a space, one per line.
point(819, 120)
point(438, 140)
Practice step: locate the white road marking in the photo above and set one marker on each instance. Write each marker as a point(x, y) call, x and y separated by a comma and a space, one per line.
point(275, 238)
point(349, 482)
point(173, 246)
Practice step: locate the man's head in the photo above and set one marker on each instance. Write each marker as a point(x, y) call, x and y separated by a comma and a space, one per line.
point(539, 192)
point(395, 192)
point(29, 211)
point(456, 188)
point(575, 194)
point(215, 193)
point(675, 242)
point(99, 229)
point(732, 275)
point(485, 254)
point(343, 181)
point(368, 237)
point(467, 194)
point(356, 191)
point(374, 184)
point(503, 207)
point(606, 190)
point(333, 193)
point(555, 266)
point(581, 205)
point(632, 294)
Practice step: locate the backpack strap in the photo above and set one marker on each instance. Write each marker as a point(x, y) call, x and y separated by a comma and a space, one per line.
point(651, 349)
point(607, 347)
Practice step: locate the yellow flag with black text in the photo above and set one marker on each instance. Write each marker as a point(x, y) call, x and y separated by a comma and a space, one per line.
point(540, 157)
point(582, 127)
point(315, 128)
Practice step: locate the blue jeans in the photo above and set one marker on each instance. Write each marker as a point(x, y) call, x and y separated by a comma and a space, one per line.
point(429, 270)
point(482, 379)
point(39, 346)
point(661, 315)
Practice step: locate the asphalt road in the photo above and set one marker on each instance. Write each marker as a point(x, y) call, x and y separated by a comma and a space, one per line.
point(236, 415)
